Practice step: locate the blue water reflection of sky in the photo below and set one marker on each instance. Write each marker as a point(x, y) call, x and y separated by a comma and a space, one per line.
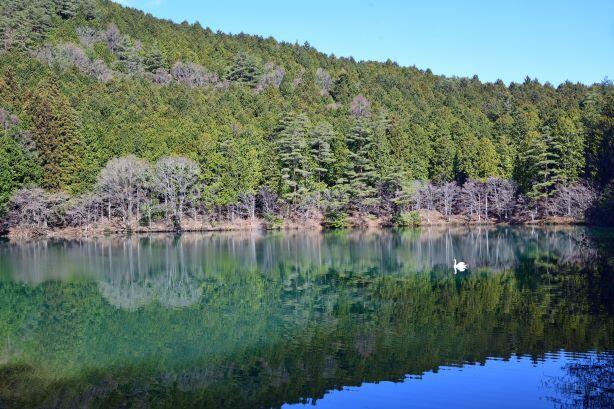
point(515, 383)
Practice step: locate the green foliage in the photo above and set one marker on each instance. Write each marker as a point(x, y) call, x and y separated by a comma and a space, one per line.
point(361, 176)
point(335, 218)
point(17, 168)
point(57, 139)
point(244, 69)
point(272, 221)
point(407, 219)
point(291, 143)
point(115, 95)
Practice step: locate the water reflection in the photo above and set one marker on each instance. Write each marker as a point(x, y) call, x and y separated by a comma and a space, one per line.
point(262, 319)
point(137, 271)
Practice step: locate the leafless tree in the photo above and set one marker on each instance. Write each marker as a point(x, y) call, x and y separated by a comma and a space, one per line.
point(500, 195)
point(273, 75)
point(123, 185)
point(247, 203)
point(29, 207)
point(446, 194)
point(474, 200)
point(87, 36)
point(83, 210)
point(193, 75)
point(113, 38)
point(268, 201)
point(323, 80)
point(360, 107)
point(176, 178)
point(572, 201)
point(161, 76)
point(69, 55)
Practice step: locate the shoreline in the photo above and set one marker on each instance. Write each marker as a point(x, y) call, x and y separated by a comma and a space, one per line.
point(355, 222)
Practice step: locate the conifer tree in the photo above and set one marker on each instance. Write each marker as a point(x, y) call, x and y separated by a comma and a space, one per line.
point(154, 59)
point(540, 162)
point(321, 137)
point(66, 8)
point(441, 166)
point(245, 69)
point(57, 138)
point(361, 175)
point(292, 150)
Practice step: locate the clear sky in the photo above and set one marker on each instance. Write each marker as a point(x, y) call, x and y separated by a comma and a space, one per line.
point(553, 40)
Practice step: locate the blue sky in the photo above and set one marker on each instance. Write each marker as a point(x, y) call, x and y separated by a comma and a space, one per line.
point(551, 40)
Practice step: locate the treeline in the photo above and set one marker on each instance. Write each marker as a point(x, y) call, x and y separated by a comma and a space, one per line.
point(140, 194)
point(281, 129)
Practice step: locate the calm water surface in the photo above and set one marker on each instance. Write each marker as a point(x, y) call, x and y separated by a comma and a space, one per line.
point(340, 319)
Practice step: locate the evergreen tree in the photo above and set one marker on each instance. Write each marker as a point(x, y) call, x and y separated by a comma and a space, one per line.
point(57, 139)
point(342, 89)
point(539, 159)
point(66, 8)
point(292, 150)
point(245, 69)
point(361, 176)
point(441, 165)
point(321, 137)
point(568, 148)
point(154, 59)
point(17, 167)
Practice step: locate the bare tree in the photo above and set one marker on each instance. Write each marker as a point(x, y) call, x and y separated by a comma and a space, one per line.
point(29, 207)
point(70, 55)
point(83, 210)
point(193, 75)
point(572, 201)
point(176, 178)
point(446, 194)
point(273, 75)
point(268, 201)
point(360, 107)
point(500, 195)
point(474, 200)
point(123, 184)
point(323, 81)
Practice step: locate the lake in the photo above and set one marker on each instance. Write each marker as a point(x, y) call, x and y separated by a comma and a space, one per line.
point(352, 319)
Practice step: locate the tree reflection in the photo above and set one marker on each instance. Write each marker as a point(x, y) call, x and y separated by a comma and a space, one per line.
point(258, 320)
point(587, 383)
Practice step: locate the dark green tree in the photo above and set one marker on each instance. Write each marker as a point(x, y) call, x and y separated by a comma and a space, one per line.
point(321, 137)
point(57, 138)
point(361, 175)
point(292, 148)
point(245, 69)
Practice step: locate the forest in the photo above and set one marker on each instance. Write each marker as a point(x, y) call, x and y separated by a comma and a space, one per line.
point(111, 117)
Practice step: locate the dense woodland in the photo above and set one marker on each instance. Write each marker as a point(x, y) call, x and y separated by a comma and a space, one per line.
point(107, 113)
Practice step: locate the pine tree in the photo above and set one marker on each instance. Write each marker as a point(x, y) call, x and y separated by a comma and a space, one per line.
point(57, 139)
point(292, 150)
point(361, 175)
point(321, 137)
point(342, 89)
point(154, 59)
point(17, 167)
point(245, 69)
point(441, 166)
point(66, 8)
point(540, 160)
point(569, 142)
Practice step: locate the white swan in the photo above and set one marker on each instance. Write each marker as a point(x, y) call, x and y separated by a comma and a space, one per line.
point(459, 266)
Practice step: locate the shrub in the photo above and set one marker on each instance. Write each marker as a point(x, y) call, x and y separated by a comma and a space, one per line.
point(335, 220)
point(407, 219)
point(272, 221)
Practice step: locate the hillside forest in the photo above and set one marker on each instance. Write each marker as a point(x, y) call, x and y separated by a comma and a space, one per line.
point(109, 116)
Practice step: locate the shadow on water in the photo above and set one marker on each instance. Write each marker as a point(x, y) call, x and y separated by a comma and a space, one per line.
point(259, 319)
